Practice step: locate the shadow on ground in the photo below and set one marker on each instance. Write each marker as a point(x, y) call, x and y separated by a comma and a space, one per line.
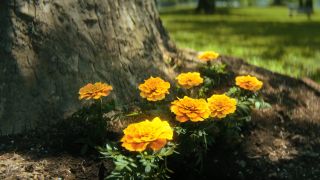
point(282, 142)
point(282, 34)
point(266, 37)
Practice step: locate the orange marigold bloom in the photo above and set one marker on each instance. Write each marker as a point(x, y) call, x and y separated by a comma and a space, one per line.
point(189, 80)
point(153, 134)
point(248, 82)
point(94, 91)
point(190, 109)
point(221, 105)
point(154, 89)
point(208, 56)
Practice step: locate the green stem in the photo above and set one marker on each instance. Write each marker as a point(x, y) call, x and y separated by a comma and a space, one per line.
point(165, 163)
point(192, 94)
point(189, 92)
point(101, 115)
point(209, 64)
point(205, 141)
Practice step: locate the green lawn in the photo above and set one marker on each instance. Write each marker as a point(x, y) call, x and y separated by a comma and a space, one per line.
point(265, 37)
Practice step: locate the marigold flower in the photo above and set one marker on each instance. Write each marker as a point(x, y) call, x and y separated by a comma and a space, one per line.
point(248, 82)
point(208, 56)
point(94, 91)
point(221, 105)
point(154, 89)
point(189, 80)
point(190, 109)
point(153, 134)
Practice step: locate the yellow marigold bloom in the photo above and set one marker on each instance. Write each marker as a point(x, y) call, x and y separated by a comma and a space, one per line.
point(154, 89)
point(190, 109)
point(221, 105)
point(153, 134)
point(248, 82)
point(94, 91)
point(208, 56)
point(189, 80)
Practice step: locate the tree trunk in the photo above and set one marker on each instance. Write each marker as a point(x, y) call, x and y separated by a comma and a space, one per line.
point(309, 6)
point(205, 5)
point(277, 2)
point(49, 49)
point(300, 4)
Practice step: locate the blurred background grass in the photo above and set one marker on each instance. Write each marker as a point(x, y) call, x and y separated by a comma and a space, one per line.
point(266, 37)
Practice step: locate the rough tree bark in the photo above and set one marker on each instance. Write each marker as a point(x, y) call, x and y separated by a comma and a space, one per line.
point(49, 49)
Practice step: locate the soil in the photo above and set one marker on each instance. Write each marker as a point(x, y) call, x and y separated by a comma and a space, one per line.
point(282, 142)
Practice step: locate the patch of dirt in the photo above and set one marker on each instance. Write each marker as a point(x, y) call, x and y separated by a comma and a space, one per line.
point(282, 142)
point(21, 166)
point(25, 157)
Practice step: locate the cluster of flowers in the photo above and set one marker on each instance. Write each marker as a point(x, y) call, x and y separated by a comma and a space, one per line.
point(155, 134)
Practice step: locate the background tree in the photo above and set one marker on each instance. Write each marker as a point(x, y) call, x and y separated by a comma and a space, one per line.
point(277, 2)
point(206, 5)
point(49, 49)
point(309, 6)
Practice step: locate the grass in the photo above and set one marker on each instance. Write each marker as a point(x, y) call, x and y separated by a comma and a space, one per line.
point(266, 37)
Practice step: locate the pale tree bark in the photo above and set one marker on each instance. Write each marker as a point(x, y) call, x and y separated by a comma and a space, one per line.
point(50, 48)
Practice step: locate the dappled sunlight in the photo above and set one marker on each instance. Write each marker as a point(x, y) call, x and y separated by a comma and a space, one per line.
point(266, 37)
point(98, 90)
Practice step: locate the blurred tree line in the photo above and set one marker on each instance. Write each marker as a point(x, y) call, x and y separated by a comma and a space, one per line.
point(208, 6)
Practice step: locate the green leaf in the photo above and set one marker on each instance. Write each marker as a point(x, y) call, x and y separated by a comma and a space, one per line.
point(134, 114)
point(208, 82)
point(232, 91)
point(257, 105)
point(147, 169)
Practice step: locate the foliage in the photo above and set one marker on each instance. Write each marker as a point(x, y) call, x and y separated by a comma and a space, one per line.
point(87, 127)
point(144, 165)
point(214, 75)
point(195, 141)
point(199, 121)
